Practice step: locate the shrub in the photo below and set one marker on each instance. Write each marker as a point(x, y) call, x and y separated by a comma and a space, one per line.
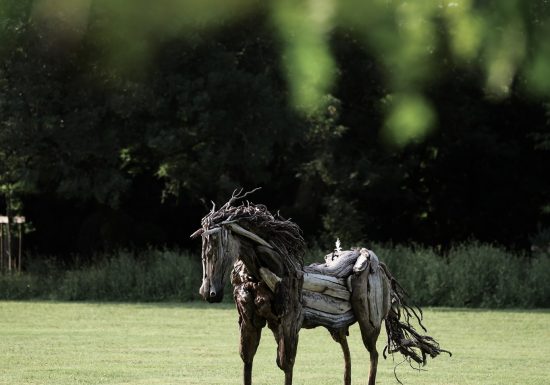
point(151, 275)
point(484, 275)
point(470, 274)
point(538, 281)
point(19, 286)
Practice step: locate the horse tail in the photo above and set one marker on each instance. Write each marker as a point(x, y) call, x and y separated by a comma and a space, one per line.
point(402, 336)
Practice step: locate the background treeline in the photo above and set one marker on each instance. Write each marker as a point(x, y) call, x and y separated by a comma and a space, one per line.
point(470, 275)
point(101, 153)
point(421, 130)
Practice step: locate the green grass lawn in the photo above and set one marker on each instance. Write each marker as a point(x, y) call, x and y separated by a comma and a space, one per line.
point(92, 343)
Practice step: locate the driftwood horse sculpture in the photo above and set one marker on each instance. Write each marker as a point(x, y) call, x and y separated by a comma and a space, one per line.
point(271, 286)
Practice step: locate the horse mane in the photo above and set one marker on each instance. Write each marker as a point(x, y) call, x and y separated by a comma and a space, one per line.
point(284, 235)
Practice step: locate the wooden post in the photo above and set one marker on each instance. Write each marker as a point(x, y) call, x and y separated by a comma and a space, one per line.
point(19, 220)
point(8, 243)
point(3, 221)
point(1, 248)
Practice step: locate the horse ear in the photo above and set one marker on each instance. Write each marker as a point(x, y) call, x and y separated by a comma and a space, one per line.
point(197, 233)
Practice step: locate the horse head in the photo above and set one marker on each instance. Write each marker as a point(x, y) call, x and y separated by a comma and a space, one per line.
point(238, 232)
point(220, 249)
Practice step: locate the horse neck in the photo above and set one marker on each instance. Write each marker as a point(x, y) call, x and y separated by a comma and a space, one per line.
point(232, 250)
point(254, 256)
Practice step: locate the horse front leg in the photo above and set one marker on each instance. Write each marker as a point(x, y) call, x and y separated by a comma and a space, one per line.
point(340, 336)
point(288, 376)
point(288, 327)
point(290, 346)
point(250, 325)
point(250, 339)
point(287, 345)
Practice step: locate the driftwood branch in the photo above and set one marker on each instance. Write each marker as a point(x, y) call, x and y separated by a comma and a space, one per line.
point(238, 195)
point(270, 259)
point(270, 278)
point(248, 234)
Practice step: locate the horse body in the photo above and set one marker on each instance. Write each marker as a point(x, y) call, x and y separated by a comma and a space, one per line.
point(280, 301)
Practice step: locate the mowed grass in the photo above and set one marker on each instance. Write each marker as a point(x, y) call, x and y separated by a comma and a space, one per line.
point(92, 343)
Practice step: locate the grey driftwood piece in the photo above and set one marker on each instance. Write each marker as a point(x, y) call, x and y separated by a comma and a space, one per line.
point(336, 264)
point(325, 293)
point(331, 286)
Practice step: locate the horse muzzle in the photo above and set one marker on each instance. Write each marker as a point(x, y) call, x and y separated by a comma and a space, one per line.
point(210, 293)
point(215, 296)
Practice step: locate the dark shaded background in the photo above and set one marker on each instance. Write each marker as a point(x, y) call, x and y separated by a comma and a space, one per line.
point(101, 157)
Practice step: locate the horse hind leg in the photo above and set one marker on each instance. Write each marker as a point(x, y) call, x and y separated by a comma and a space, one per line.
point(369, 336)
point(369, 305)
point(340, 336)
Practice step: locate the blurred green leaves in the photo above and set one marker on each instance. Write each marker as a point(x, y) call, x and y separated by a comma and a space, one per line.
point(411, 41)
point(130, 30)
point(304, 27)
point(410, 118)
point(465, 29)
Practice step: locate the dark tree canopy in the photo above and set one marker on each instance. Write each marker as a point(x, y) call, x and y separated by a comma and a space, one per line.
point(118, 126)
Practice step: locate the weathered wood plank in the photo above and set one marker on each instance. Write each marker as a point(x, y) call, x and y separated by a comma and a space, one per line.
point(270, 259)
point(362, 261)
point(269, 278)
point(375, 298)
point(325, 278)
point(314, 318)
point(340, 266)
point(331, 286)
point(325, 303)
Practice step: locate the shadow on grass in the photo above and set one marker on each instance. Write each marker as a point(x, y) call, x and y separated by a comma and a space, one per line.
point(142, 305)
point(483, 310)
point(229, 305)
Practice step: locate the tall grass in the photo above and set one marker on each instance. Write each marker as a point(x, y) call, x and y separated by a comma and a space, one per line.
point(50, 343)
point(151, 275)
point(471, 275)
point(468, 275)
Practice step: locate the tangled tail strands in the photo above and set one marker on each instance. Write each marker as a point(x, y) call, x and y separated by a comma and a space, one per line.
point(402, 336)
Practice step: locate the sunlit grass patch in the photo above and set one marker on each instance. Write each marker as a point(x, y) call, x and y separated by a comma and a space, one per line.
point(93, 343)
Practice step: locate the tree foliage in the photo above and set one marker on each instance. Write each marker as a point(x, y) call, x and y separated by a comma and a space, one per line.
point(370, 120)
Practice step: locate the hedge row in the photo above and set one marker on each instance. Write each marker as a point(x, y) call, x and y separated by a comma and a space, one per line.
point(469, 275)
point(152, 275)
